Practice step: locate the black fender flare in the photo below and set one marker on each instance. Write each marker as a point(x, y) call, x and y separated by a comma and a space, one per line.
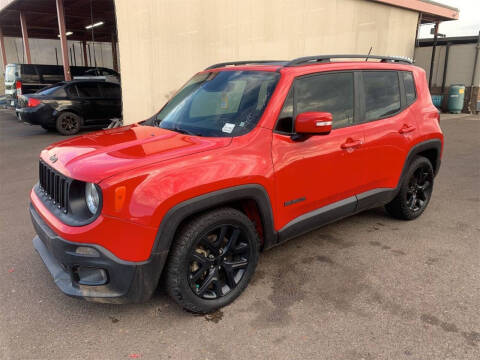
point(432, 144)
point(174, 217)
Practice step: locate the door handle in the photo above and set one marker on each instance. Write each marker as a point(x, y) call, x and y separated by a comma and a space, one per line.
point(351, 143)
point(406, 128)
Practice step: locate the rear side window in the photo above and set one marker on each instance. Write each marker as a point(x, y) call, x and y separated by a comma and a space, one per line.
point(409, 84)
point(88, 90)
point(71, 91)
point(382, 94)
point(111, 90)
point(331, 93)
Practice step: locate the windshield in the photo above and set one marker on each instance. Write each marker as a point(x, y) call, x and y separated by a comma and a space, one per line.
point(10, 73)
point(219, 104)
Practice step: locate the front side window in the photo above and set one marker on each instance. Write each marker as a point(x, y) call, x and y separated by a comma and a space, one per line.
point(285, 119)
point(382, 94)
point(331, 93)
point(219, 104)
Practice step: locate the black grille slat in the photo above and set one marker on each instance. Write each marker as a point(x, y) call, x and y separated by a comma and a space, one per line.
point(54, 186)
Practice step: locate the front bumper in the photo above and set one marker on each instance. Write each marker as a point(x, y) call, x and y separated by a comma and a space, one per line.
point(94, 273)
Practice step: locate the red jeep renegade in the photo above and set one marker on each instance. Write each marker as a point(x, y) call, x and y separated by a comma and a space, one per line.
point(244, 157)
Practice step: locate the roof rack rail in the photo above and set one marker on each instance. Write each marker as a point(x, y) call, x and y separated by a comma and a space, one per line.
point(246, 62)
point(327, 58)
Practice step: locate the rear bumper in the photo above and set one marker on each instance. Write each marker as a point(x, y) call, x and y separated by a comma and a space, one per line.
point(94, 273)
point(39, 115)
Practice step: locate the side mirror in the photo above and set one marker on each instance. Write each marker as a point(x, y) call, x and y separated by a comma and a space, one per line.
point(313, 123)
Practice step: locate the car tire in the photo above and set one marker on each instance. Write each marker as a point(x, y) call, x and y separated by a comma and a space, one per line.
point(68, 123)
point(212, 260)
point(415, 191)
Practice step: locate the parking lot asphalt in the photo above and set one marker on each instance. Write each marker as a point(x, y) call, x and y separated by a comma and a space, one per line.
point(367, 287)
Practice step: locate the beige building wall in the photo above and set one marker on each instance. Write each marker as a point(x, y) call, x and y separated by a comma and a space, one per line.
point(164, 42)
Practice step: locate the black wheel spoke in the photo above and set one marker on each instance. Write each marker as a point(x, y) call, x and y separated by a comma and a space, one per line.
point(240, 248)
point(208, 281)
point(221, 236)
point(237, 265)
point(232, 241)
point(230, 276)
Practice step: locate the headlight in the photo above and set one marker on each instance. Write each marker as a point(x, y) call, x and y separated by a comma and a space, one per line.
point(92, 197)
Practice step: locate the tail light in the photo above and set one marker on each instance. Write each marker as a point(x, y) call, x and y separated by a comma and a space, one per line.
point(33, 102)
point(18, 86)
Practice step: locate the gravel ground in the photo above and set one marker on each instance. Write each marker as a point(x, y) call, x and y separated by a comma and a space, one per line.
point(367, 287)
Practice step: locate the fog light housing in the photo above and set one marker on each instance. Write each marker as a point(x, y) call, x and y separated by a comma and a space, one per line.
point(87, 251)
point(90, 276)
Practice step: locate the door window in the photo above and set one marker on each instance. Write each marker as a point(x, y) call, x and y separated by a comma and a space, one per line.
point(110, 91)
point(382, 94)
point(285, 119)
point(409, 85)
point(331, 92)
point(88, 90)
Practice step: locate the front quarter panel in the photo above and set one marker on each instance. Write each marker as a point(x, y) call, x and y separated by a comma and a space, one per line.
point(149, 192)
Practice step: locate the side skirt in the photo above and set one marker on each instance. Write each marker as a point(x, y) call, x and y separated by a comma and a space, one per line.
point(336, 211)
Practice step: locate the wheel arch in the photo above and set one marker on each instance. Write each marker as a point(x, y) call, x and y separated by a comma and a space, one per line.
point(431, 149)
point(252, 199)
point(75, 111)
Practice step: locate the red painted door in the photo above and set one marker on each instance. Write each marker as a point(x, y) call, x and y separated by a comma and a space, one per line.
point(321, 169)
point(391, 126)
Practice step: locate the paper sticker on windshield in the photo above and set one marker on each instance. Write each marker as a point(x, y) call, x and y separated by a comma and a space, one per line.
point(228, 128)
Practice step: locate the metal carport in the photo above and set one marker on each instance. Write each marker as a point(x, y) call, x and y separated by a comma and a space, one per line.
point(53, 19)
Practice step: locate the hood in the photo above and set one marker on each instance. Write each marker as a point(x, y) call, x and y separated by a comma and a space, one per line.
point(99, 155)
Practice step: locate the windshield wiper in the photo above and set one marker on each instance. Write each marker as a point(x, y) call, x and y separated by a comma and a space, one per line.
point(185, 131)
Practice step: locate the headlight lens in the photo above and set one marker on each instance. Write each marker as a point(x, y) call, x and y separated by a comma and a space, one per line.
point(92, 197)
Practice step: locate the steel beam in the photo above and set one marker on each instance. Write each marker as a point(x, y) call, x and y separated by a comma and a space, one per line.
point(114, 51)
point(63, 39)
point(26, 45)
point(85, 58)
point(2, 49)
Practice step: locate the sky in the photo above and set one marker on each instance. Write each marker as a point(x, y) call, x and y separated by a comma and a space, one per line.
point(467, 24)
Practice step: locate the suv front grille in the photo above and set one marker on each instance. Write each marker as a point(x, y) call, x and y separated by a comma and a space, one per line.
point(54, 186)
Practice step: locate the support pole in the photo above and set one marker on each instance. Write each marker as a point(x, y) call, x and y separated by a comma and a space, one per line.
point(26, 45)
point(445, 67)
point(85, 59)
point(114, 51)
point(432, 61)
point(2, 49)
point(63, 39)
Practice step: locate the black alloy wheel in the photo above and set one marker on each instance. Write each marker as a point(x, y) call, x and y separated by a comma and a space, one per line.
point(212, 260)
point(218, 261)
point(415, 191)
point(420, 188)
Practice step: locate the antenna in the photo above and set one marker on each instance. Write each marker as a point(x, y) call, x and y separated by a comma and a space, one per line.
point(369, 51)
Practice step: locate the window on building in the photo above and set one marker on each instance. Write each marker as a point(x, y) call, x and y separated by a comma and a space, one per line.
point(382, 94)
point(409, 85)
point(331, 93)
